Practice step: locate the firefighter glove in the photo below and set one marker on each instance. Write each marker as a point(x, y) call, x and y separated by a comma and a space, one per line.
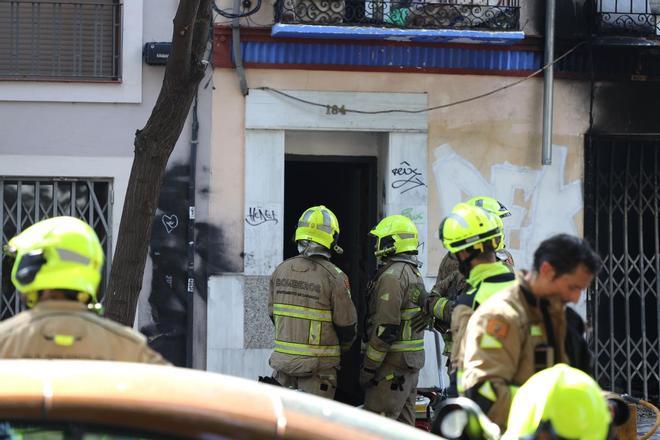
point(421, 321)
point(367, 377)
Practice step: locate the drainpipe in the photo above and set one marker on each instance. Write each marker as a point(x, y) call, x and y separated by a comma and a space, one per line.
point(190, 269)
point(548, 81)
point(236, 44)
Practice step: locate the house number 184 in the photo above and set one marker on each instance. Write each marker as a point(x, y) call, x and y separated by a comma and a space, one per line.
point(335, 110)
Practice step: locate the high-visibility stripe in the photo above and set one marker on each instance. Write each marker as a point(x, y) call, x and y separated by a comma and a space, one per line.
point(64, 340)
point(407, 314)
point(306, 349)
point(375, 355)
point(412, 345)
point(459, 381)
point(277, 325)
point(73, 257)
point(406, 334)
point(487, 391)
point(314, 332)
point(488, 341)
point(439, 313)
point(301, 312)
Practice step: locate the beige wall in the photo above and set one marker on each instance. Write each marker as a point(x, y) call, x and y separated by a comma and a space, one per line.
point(491, 146)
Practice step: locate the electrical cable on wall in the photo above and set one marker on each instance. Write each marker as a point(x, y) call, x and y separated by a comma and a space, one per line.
point(428, 109)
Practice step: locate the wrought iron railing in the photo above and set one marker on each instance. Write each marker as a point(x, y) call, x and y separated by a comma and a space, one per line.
point(65, 39)
point(627, 17)
point(493, 15)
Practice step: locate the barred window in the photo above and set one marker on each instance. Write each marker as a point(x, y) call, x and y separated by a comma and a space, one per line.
point(65, 39)
point(24, 202)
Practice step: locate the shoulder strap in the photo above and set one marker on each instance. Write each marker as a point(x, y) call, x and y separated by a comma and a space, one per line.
point(547, 322)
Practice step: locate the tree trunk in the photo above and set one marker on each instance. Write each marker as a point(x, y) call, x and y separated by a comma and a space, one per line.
point(153, 146)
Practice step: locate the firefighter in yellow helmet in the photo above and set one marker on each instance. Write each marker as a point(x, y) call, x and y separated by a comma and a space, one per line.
point(471, 235)
point(309, 302)
point(57, 270)
point(559, 403)
point(499, 211)
point(451, 283)
point(394, 351)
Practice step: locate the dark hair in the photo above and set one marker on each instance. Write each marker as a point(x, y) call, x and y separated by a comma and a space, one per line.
point(565, 253)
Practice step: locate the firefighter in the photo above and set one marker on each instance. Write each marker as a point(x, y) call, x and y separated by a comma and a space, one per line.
point(309, 302)
point(451, 283)
point(394, 352)
point(523, 329)
point(57, 270)
point(472, 236)
point(500, 211)
point(560, 402)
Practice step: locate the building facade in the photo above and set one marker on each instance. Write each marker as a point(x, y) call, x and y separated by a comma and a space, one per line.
point(367, 108)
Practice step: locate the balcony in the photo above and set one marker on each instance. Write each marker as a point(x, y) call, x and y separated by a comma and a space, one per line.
point(627, 18)
point(433, 20)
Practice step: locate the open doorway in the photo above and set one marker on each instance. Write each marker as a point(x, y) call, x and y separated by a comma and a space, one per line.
point(347, 186)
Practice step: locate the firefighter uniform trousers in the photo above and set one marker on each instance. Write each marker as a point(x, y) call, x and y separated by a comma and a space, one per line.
point(310, 304)
point(394, 351)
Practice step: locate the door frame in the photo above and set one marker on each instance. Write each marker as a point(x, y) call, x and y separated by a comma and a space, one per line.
point(267, 118)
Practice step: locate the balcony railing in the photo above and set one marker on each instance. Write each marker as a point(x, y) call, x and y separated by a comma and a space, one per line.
point(627, 17)
point(490, 15)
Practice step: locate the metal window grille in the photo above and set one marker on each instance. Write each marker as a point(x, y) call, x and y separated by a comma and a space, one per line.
point(24, 202)
point(64, 39)
point(623, 221)
point(627, 17)
point(491, 15)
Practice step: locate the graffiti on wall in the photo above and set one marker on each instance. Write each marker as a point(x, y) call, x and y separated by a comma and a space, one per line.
point(258, 216)
point(168, 251)
point(406, 177)
point(540, 201)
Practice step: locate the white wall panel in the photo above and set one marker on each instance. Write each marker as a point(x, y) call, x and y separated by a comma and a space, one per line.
point(249, 364)
point(406, 183)
point(225, 305)
point(264, 201)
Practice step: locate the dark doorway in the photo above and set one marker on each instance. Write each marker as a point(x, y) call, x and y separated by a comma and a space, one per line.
point(347, 186)
point(622, 218)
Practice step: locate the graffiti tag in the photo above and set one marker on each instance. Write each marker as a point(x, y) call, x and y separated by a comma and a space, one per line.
point(170, 222)
point(414, 216)
point(410, 178)
point(259, 216)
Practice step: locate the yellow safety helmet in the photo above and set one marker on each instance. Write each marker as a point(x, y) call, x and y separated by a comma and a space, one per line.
point(61, 253)
point(495, 207)
point(491, 205)
point(396, 234)
point(320, 225)
point(562, 399)
point(469, 227)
